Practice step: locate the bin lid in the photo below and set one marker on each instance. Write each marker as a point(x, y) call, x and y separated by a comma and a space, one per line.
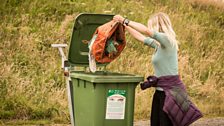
point(84, 27)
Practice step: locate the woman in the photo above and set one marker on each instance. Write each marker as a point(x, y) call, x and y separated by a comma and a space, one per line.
point(160, 35)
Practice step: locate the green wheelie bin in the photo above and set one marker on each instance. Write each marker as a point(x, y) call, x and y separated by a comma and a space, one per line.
point(102, 98)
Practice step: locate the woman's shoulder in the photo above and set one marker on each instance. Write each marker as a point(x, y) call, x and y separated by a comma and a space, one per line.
point(162, 38)
point(159, 35)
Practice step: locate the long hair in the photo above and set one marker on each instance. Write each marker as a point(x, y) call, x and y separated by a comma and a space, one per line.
point(160, 22)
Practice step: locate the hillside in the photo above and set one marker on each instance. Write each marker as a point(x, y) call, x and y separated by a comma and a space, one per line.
point(31, 81)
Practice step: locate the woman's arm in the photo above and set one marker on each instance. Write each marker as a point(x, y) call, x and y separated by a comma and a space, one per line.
point(135, 28)
point(135, 25)
point(140, 27)
point(137, 35)
point(140, 37)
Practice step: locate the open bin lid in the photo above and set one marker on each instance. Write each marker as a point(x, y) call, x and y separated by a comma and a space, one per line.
point(84, 27)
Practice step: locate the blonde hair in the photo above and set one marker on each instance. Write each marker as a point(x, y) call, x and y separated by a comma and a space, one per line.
point(160, 22)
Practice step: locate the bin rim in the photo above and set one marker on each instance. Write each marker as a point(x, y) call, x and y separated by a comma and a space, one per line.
point(111, 77)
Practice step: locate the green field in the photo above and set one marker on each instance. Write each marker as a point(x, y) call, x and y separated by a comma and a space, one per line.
point(32, 86)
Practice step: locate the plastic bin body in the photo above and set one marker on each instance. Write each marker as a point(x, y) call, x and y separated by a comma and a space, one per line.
point(90, 95)
point(101, 98)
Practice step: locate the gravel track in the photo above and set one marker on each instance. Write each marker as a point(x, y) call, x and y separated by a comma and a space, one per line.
point(200, 122)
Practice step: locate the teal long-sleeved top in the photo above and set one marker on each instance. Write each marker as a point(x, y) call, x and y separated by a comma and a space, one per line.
point(165, 58)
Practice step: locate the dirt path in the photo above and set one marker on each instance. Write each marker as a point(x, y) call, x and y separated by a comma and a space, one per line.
point(201, 122)
point(219, 121)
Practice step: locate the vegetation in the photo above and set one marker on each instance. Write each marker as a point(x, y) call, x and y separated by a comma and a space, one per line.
point(31, 82)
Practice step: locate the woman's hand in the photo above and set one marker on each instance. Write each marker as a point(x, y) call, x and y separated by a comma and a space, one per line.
point(119, 18)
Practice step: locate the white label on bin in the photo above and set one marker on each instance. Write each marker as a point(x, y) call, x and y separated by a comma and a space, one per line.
point(116, 100)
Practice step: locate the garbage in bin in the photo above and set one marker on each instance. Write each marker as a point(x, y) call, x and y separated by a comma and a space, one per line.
point(106, 44)
point(109, 43)
point(102, 98)
point(92, 61)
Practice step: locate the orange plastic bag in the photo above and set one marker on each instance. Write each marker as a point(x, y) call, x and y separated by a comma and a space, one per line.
point(111, 30)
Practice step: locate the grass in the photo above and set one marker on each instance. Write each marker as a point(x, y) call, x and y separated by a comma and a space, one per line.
point(33, 122)
point(31, 82)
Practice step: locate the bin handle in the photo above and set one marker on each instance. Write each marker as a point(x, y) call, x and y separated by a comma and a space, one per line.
point(64, 65)
point(60, 48)
point(85, 41)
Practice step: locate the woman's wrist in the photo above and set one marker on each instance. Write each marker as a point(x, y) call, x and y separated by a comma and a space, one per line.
point(126, 22)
